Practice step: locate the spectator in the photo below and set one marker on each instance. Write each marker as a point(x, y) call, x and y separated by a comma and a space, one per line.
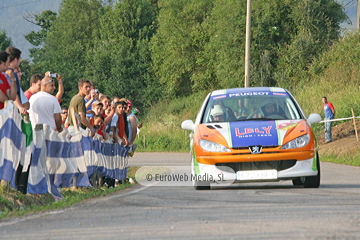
point(97, 108)
point(125, 117)
point(108, 110)
point(136, 112)
point(132, 123)
point(35, 85)
point(64, 117)
point(18, 72)
point(97, 122)
point(44, 107)
point(7, 92)
point(89, 99)
point(117, 126)
point(114, 100)
point(21, 102)
point(61, 91)
point(329, 112)
point(78, 104)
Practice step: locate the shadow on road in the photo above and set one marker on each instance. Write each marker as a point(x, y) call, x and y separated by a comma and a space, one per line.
point(255, 187)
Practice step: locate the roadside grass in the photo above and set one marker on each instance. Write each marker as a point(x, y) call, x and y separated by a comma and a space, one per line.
point(347, 159)
point(162, 130)
point(15, 204)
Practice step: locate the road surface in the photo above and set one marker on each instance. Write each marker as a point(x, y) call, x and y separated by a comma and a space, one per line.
point(241, 211)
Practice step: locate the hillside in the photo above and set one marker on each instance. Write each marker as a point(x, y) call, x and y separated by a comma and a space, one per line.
point(344, 141)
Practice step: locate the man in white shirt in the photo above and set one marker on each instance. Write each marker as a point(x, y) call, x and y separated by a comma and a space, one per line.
point(44, 107)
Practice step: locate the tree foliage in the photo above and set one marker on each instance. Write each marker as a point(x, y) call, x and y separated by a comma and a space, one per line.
point(5, 41)
point(179, 40)
point(151, 49)
point(122, 61)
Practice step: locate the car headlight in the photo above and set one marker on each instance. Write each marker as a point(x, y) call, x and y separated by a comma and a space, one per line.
point(297, 142)
point(212, 147)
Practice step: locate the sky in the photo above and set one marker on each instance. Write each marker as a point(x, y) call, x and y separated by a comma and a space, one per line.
point(12, 13)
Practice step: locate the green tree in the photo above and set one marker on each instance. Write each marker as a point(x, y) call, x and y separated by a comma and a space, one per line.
point(69, 44)
point(316, 25)
point(178, 42)
point(121, 62)
point(45, 22)
point(5, 41)
point(221, 62)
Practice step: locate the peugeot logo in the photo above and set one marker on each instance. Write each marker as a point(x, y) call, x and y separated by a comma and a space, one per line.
point(255, 149)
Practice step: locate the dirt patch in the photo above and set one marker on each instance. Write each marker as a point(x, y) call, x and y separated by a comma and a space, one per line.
point(344, 140)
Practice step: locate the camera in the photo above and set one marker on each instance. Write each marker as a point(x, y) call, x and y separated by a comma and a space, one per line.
point(96, 90)
point(53, 75)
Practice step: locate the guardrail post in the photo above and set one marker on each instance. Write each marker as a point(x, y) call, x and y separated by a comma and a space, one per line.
point(354, 122)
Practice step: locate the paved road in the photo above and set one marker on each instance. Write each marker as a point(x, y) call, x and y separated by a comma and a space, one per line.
point(247, 211)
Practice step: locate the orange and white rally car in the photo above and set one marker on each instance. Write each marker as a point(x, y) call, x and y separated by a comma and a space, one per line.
point(253, 134)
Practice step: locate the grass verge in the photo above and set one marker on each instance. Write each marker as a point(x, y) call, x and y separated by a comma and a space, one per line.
point(347, 159)
point(15, 204)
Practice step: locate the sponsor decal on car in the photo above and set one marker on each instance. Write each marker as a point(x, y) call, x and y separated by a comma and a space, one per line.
point(244, 134)
point(217, 97)
point(286, 126)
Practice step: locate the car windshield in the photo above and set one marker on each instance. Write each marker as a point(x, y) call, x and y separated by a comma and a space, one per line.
point(250, 106)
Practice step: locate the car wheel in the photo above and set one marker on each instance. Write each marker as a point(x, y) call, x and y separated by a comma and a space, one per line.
point(198, 185)
point(201, 185)
point(313, 181)
point(297, 182)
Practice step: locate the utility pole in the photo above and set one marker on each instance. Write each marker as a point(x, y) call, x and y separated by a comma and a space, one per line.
point(358, 15)
point(247, 44)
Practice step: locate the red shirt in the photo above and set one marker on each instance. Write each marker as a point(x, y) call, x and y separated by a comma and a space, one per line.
point(121, 126)
point(4, 86)
point(28, 94)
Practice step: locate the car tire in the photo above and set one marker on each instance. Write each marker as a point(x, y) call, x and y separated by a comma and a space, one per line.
point(313, 181)
point(297, 182)
point(198, 185)
point(201, 185)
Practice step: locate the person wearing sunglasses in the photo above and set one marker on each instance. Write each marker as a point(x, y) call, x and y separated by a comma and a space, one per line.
point(44, 106)
point(64, 115)
point(117, 125)
point(59, 79)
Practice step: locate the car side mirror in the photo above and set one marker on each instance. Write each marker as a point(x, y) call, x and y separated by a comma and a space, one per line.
point(188, 125)
point(314, 118)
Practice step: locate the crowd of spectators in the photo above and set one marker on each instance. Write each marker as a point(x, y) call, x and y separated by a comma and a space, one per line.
point(112, 118)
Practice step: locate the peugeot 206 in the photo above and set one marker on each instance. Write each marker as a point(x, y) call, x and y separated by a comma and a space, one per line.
point(257, 134)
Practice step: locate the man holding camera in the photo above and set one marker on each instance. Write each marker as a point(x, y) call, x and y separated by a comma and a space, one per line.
point(59, 79)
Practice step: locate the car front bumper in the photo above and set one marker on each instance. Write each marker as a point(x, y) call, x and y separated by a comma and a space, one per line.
point(302, 168)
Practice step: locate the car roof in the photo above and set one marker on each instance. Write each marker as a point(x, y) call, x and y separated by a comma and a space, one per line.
point(248, 90)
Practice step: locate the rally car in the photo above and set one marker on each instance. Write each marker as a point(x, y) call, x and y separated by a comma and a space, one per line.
point(251, 135)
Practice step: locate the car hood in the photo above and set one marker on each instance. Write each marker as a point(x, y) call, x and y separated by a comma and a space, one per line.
point(253, 133)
